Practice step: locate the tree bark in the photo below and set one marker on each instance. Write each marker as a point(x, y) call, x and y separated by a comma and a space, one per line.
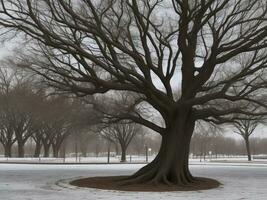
point(56, 149)
point(20, 149)
point(171, 164)
point(37, 150)
point(63, 150)
point(46, 151)
point(248, 148)
point(8, 150)
point(123, 153)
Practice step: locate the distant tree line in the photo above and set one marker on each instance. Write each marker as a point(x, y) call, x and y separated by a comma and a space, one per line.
point(28, 112)
point(221, 146)
point(31, 112)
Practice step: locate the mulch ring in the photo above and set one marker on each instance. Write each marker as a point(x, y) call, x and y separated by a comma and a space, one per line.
point(115, 183)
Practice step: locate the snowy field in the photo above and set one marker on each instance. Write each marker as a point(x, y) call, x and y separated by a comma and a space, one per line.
point(100, 159)
point(116, 159)
point(50, 182)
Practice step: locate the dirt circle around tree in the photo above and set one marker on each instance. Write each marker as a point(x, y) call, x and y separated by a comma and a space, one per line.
point(115, 183)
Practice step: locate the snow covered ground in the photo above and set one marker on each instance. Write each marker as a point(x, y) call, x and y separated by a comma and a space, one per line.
point(100, 159)
point(50, 182)
point(132, 159)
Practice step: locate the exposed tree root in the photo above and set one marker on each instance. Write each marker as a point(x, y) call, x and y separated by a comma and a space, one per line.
point(156, 184)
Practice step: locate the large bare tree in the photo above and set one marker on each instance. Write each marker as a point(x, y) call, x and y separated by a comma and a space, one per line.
point(212, 51)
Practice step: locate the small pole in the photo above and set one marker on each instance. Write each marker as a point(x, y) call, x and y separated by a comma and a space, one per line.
point(64, 152)
point(108, 152)
point(146, 153)
point(76, 151)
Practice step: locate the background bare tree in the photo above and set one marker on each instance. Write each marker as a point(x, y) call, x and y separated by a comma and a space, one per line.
point(246, 128)
point(19, 102)
point(121, 133)
point(203, 138)
point(23, 103)
point(7, 136)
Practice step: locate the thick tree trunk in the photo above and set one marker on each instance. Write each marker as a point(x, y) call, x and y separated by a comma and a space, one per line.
point(55, 151)
point(62, 150)
point(46, 151)
point(37, 150)
point(8, 150)
point(123, 153)
point(20, 150)
point(171, 164)
point(248, 148)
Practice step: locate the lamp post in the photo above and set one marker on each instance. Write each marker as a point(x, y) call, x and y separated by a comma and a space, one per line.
point(147, 152)
point(109, 144)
